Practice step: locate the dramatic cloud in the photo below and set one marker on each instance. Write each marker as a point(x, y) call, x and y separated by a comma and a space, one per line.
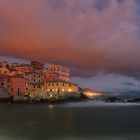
point(110, 83)
point(90, 36)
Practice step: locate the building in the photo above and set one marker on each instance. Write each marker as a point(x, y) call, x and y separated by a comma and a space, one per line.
point(16, 86)
point(57, 72)
point(61, 86)
point(28, 80)
point(62, 89)
point(3, 80)
point(37, 82)
point(23, 68)
point(4, 70)
point(3, 63)
point(37, 65)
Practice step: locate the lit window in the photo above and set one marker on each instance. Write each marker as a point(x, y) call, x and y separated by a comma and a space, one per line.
point(69, 90)
point(63, 89)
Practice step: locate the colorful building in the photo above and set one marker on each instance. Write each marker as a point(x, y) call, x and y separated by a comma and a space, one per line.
point(28, 80)
point(62, 90)
point(3, 63)
point(37, 65)
point(23, 68)
point(16, 86)
point(4, 70)
point(37, 82)
point(61, 86)
point(3, 80)
point(57, 72)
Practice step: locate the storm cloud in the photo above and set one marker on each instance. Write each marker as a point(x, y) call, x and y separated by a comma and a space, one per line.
point(89, 36)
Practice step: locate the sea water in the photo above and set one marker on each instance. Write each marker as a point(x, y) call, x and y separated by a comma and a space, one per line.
point(70, 121)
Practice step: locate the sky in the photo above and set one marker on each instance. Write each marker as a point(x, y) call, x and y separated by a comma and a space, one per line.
point(99, 40)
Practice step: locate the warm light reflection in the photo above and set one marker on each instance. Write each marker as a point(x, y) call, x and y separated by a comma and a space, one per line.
point(50, 106)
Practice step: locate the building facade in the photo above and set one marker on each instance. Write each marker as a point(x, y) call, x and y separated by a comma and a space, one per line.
point(61, 86)
point(37, 65)
point(4, 70)
point(16, 86)
point(57, 72)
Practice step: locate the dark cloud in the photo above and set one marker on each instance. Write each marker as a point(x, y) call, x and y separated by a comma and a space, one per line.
point(128, 84)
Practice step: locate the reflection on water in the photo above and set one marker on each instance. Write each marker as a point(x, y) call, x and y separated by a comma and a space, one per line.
point(50, 106)
point(56, 122)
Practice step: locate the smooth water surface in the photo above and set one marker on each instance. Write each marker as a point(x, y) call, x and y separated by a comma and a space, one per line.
point(69, 122)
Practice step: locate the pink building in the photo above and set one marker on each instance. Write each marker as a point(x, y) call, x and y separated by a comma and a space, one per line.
point(57, 72)
point(16, 85)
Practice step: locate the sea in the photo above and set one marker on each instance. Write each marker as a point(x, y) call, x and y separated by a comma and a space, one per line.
point(87, 120)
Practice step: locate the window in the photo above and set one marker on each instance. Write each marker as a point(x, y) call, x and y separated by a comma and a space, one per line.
point(2, 84)
point(49, 84)
point(53, 84)
point(26, 88)
point(63, 84)
point(12, 89)
point(34, 86)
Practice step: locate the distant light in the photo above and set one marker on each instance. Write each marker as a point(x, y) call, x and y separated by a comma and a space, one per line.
point(93, 94)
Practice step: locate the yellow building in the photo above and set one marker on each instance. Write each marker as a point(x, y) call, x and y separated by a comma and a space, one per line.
point(61, 86)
